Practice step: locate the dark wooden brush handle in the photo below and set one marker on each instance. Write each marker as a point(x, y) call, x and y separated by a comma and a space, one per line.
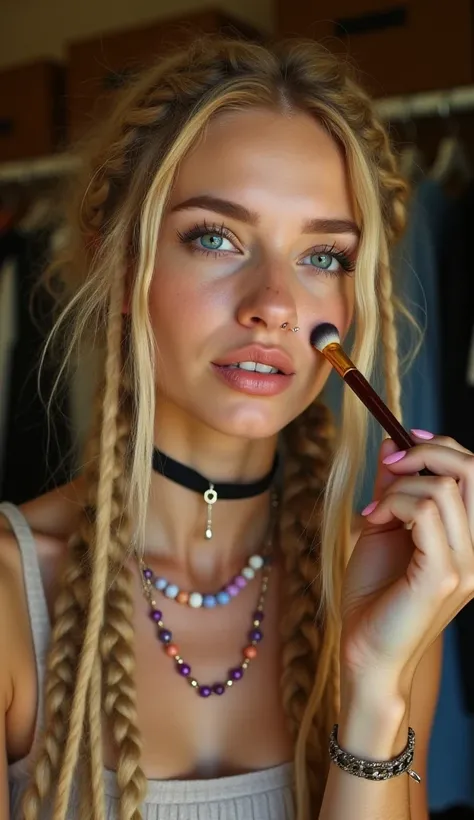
point(366, 393)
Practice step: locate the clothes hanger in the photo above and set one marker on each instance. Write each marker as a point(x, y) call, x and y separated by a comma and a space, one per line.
point(452, 160)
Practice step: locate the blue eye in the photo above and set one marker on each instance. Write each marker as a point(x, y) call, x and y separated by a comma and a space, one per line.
point(329, 260)
point(211, 241)
point(324, 261)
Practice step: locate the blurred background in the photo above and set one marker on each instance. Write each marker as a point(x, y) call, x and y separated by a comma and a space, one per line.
point(61, 62)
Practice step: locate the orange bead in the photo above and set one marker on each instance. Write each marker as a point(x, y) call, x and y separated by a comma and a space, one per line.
point(172, 650)
point(182, 597)
point(250, 652)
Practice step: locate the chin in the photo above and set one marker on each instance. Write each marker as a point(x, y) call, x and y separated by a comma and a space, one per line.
point(248, 422)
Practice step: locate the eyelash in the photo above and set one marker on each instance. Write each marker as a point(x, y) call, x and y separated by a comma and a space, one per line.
point(187, 237)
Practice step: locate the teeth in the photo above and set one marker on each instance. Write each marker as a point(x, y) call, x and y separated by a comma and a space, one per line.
point(260, 368)
point(265, 368)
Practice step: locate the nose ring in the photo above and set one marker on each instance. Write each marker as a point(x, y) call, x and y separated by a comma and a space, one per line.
point(293, 329)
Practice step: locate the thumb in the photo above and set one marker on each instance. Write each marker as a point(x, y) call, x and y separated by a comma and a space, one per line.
point(384, 478)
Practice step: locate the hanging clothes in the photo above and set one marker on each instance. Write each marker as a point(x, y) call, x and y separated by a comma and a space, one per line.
point(457, 319)
point(8, 334)
point(36, 455)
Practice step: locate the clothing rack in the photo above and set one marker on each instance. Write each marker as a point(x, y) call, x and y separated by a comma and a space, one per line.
point(401, 108)
point(32, 170)
point(427, 104)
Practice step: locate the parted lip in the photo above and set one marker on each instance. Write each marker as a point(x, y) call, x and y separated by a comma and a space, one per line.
point(272, 356)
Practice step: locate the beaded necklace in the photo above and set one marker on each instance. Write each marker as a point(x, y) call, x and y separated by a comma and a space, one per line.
point(196, 599)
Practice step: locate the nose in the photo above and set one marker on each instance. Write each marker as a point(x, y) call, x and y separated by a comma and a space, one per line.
point(268, 302)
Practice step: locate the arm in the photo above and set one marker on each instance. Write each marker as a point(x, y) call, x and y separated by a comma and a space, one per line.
point(3, 769)
point(10, 639)
point(375, 725)
point(5, 694)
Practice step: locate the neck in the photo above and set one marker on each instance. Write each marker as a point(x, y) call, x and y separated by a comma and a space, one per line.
point(177, 516)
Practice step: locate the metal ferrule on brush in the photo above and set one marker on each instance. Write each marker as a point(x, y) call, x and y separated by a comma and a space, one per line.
point(338, 358)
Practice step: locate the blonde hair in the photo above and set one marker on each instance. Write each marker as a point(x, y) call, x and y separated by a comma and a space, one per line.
point(129, 168)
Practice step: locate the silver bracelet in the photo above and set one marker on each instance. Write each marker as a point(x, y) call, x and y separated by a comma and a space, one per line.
point(374, 769)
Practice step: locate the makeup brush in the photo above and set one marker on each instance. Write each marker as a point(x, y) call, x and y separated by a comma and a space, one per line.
point(325, 338)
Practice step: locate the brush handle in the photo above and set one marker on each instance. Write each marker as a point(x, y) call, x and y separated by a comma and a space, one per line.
point(366, 393)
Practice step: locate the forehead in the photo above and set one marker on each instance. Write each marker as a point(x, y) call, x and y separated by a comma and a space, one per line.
point(268, 161)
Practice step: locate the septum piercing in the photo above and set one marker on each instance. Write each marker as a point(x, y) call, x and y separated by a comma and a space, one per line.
point(293, 329)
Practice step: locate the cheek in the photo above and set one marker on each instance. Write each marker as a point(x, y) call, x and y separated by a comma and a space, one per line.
point(170, 305)
point(183, 310)
point(332, 302)
point(342, 304)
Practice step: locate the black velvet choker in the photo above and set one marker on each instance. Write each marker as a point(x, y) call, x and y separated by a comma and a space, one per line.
point(187, 477)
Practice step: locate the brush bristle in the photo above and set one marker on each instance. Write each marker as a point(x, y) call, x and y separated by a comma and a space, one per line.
point(323, 335)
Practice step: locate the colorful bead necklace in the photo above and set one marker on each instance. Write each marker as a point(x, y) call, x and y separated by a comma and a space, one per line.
point(198, 599)
point(165, 636)
point(255, 634)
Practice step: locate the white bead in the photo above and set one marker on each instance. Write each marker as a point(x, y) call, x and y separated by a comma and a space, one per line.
point(171, 591)
point(248, 573)
point(256, 561)
point(195, 600)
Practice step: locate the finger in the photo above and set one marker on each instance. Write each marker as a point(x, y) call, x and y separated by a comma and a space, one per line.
point(444, 490)
point(441, 460)
point(384, 477)
point(443, 441)
point(427, 531)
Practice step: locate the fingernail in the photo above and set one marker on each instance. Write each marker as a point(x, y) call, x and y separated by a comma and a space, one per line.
point(395, 457)
point(369, 508)
point(422, 434)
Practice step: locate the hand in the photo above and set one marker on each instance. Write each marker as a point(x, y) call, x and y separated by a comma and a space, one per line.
point(412, 569)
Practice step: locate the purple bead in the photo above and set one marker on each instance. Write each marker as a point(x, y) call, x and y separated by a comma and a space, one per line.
point(184, 669)
point(255, 635)
point(147, 573)
point(218, 688)
point(165, 636)
point(240, 581)
point(236, 674)
point(205, 691)
point(156, 615)
point(233, 590)
point(258, 615)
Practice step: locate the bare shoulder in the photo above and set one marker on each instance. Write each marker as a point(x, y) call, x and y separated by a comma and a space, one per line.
point(52, 518)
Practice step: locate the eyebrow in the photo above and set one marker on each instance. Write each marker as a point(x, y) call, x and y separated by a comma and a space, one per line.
point(232, 209)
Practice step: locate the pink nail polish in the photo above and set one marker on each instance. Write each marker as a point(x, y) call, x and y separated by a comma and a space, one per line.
point(422, 434)
point(395, 457)
point(370, 508)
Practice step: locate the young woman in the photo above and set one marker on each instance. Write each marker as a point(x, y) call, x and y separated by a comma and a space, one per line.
point(215, 605)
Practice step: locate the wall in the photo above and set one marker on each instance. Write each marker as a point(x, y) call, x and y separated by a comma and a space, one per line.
point(31, 29)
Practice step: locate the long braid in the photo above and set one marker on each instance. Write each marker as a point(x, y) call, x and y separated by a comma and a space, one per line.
point(60, 679)
point(99, 547)
point(394, 196)
point(117, 645)
point(306, 653)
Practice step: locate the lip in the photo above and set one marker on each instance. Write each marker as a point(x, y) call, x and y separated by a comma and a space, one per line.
point(252, 382)
point(271, 356)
